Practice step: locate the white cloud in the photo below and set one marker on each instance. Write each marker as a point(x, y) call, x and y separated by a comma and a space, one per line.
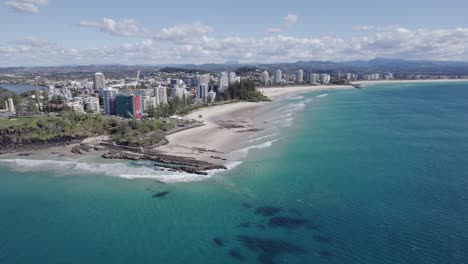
point(183, 33)
point(27, 6)
point(194, 43)
point(290, 20)
point(126, 28)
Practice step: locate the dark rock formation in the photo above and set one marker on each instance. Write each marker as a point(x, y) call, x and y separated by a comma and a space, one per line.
point(174, 163)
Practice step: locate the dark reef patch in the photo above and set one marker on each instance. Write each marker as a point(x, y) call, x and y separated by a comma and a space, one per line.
point(326, 254)
point(160, 194)
point(268, 249)
point(235, 254)
point(218, 242)
point(244, 225)
point(246, 205)
point(261, 227)
point(288, 222)
point(322, 239)
point(267, 211)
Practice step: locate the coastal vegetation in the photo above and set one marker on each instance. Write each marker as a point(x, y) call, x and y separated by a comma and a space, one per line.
point(244, 90)
point(70, 125)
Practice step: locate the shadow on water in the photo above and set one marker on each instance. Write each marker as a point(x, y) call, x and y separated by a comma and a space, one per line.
point(267, 211)
point(268, 250)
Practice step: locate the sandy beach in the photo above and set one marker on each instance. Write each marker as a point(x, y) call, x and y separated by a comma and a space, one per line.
point(215, 139)
point(225, 128)
point(213, 136)
point(275, 92)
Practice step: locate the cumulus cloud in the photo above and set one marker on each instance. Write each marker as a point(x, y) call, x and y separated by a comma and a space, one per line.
point(126, 27)
point(27, 6)
point(194, 43)
point(290, 20)
point(183, 33)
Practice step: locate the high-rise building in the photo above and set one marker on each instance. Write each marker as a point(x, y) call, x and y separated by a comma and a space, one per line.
point(161, 95)
point(232, 77)
point(99, 81)
point(91, 104)
point(223, 82)
point(10, 106)
point(265, 78)
point(108, 96)
point(129, 106)
point(150, 103)
point(202, 91)
point(300, 76)
point(278, 77)
point(314, 78)
point(203, 79)
point(325, 78)
point(177, 92)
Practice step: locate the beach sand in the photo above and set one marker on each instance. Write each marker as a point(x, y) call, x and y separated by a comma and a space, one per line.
point(212, 136)
point(275, 93)
point(213, 140)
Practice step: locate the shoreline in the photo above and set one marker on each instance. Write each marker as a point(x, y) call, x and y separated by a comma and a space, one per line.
point(368, 83)
point(225, 130)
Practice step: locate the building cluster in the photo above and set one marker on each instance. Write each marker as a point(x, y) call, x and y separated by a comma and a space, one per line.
point(133, 98)
point(9, 106)
point(290, 79)
point(278, 78)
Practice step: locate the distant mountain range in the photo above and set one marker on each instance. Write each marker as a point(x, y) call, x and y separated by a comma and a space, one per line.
point(372, 66)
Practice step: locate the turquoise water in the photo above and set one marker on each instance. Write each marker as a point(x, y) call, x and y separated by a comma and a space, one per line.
point(378, 175)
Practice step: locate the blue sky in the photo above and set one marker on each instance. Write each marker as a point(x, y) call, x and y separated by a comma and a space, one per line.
point(57, 32)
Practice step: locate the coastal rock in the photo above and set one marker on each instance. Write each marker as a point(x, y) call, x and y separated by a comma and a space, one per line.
point(173, 163)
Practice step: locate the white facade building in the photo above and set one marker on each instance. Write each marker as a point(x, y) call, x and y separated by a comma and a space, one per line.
point(92, 105)
point(265, 78)
point(223, 82)
point(10, 106)
point(161, 95)
point(325, 78)
point(232, 77)
point(99, 81)
point(177, 92)
point(314, 78)
point(300, 76)
point(278, 77)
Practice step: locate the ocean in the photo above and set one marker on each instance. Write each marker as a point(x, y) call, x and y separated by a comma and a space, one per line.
point(377, 175)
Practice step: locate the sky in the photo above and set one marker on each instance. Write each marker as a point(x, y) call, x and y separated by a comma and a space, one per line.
point(67, 32)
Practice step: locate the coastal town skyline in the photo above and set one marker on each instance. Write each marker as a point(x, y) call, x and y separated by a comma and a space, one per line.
point(51, 33)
